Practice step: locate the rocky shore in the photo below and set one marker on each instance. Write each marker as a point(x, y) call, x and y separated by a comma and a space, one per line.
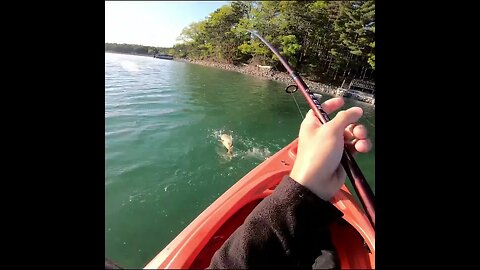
point(265, 73)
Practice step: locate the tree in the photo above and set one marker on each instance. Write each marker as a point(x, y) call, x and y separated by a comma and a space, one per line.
point(333, 39)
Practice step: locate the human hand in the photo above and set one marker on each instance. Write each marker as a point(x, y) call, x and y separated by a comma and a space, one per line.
point(320, 148)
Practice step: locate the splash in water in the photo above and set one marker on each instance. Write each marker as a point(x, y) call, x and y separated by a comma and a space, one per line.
point(243, 148)
point(258, 153)
point(129, 66)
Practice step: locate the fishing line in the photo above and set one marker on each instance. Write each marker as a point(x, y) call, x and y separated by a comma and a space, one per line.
point(291, 92)
point(298, 107)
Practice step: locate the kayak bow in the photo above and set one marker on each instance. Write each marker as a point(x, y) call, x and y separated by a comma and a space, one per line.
point(353, 236)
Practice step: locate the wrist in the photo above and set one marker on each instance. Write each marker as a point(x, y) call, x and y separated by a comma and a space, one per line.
point(310, 182)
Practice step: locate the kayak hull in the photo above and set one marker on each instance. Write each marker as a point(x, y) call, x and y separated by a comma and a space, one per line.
point(354, 237)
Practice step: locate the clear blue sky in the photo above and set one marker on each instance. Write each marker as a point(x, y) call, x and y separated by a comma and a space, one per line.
point(153, 23)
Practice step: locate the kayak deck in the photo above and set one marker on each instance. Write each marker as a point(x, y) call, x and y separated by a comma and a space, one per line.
point(353, 237)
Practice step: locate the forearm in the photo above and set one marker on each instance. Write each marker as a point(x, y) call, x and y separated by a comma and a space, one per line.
point(287, 229)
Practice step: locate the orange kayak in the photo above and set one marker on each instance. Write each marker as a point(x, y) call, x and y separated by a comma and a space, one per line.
point(354, 237)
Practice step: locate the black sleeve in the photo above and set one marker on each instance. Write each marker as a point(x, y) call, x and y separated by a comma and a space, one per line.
point(109, 264)
point(288, 229)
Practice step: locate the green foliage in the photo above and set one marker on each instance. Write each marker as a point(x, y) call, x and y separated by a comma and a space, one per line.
point(330, 39)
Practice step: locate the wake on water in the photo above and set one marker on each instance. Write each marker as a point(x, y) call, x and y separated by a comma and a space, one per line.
point(243, 148)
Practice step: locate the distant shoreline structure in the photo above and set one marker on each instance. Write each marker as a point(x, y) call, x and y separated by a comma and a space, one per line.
point(159, 56)
point(358, 89)
point(163, 56)
point(138, 54)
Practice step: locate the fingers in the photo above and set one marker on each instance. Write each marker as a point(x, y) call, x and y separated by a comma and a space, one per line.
point(360, 132)
point(363, 146)
point(355, 131)
point(344, 118)
point(311, 121)
point(359, 146)
point(356, 139)
point(348, 133)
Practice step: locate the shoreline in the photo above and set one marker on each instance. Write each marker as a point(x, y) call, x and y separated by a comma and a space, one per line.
point(269, 74)
point(147, 55)
point(264, 73)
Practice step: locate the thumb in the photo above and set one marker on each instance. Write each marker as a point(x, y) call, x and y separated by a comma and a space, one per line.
point(345, 118)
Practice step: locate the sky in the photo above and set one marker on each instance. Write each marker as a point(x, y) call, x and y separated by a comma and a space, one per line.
point(153, 23)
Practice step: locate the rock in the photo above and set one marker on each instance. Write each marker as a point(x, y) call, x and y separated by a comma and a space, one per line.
point(268, 73)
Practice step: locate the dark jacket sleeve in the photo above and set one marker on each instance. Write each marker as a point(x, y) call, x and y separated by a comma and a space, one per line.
point(288, 229)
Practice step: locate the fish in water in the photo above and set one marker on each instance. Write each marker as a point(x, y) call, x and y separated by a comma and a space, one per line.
point(227, 141)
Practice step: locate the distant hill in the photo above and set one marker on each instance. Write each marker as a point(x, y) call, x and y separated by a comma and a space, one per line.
point(136, 49)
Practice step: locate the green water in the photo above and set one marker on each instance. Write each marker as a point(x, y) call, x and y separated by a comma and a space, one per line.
point(163, 162)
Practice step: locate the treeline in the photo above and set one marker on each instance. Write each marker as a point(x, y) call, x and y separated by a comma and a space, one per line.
point(333, 40)
point(136, 49)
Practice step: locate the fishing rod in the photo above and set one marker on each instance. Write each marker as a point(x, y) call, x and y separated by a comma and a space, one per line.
point(359, 183)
